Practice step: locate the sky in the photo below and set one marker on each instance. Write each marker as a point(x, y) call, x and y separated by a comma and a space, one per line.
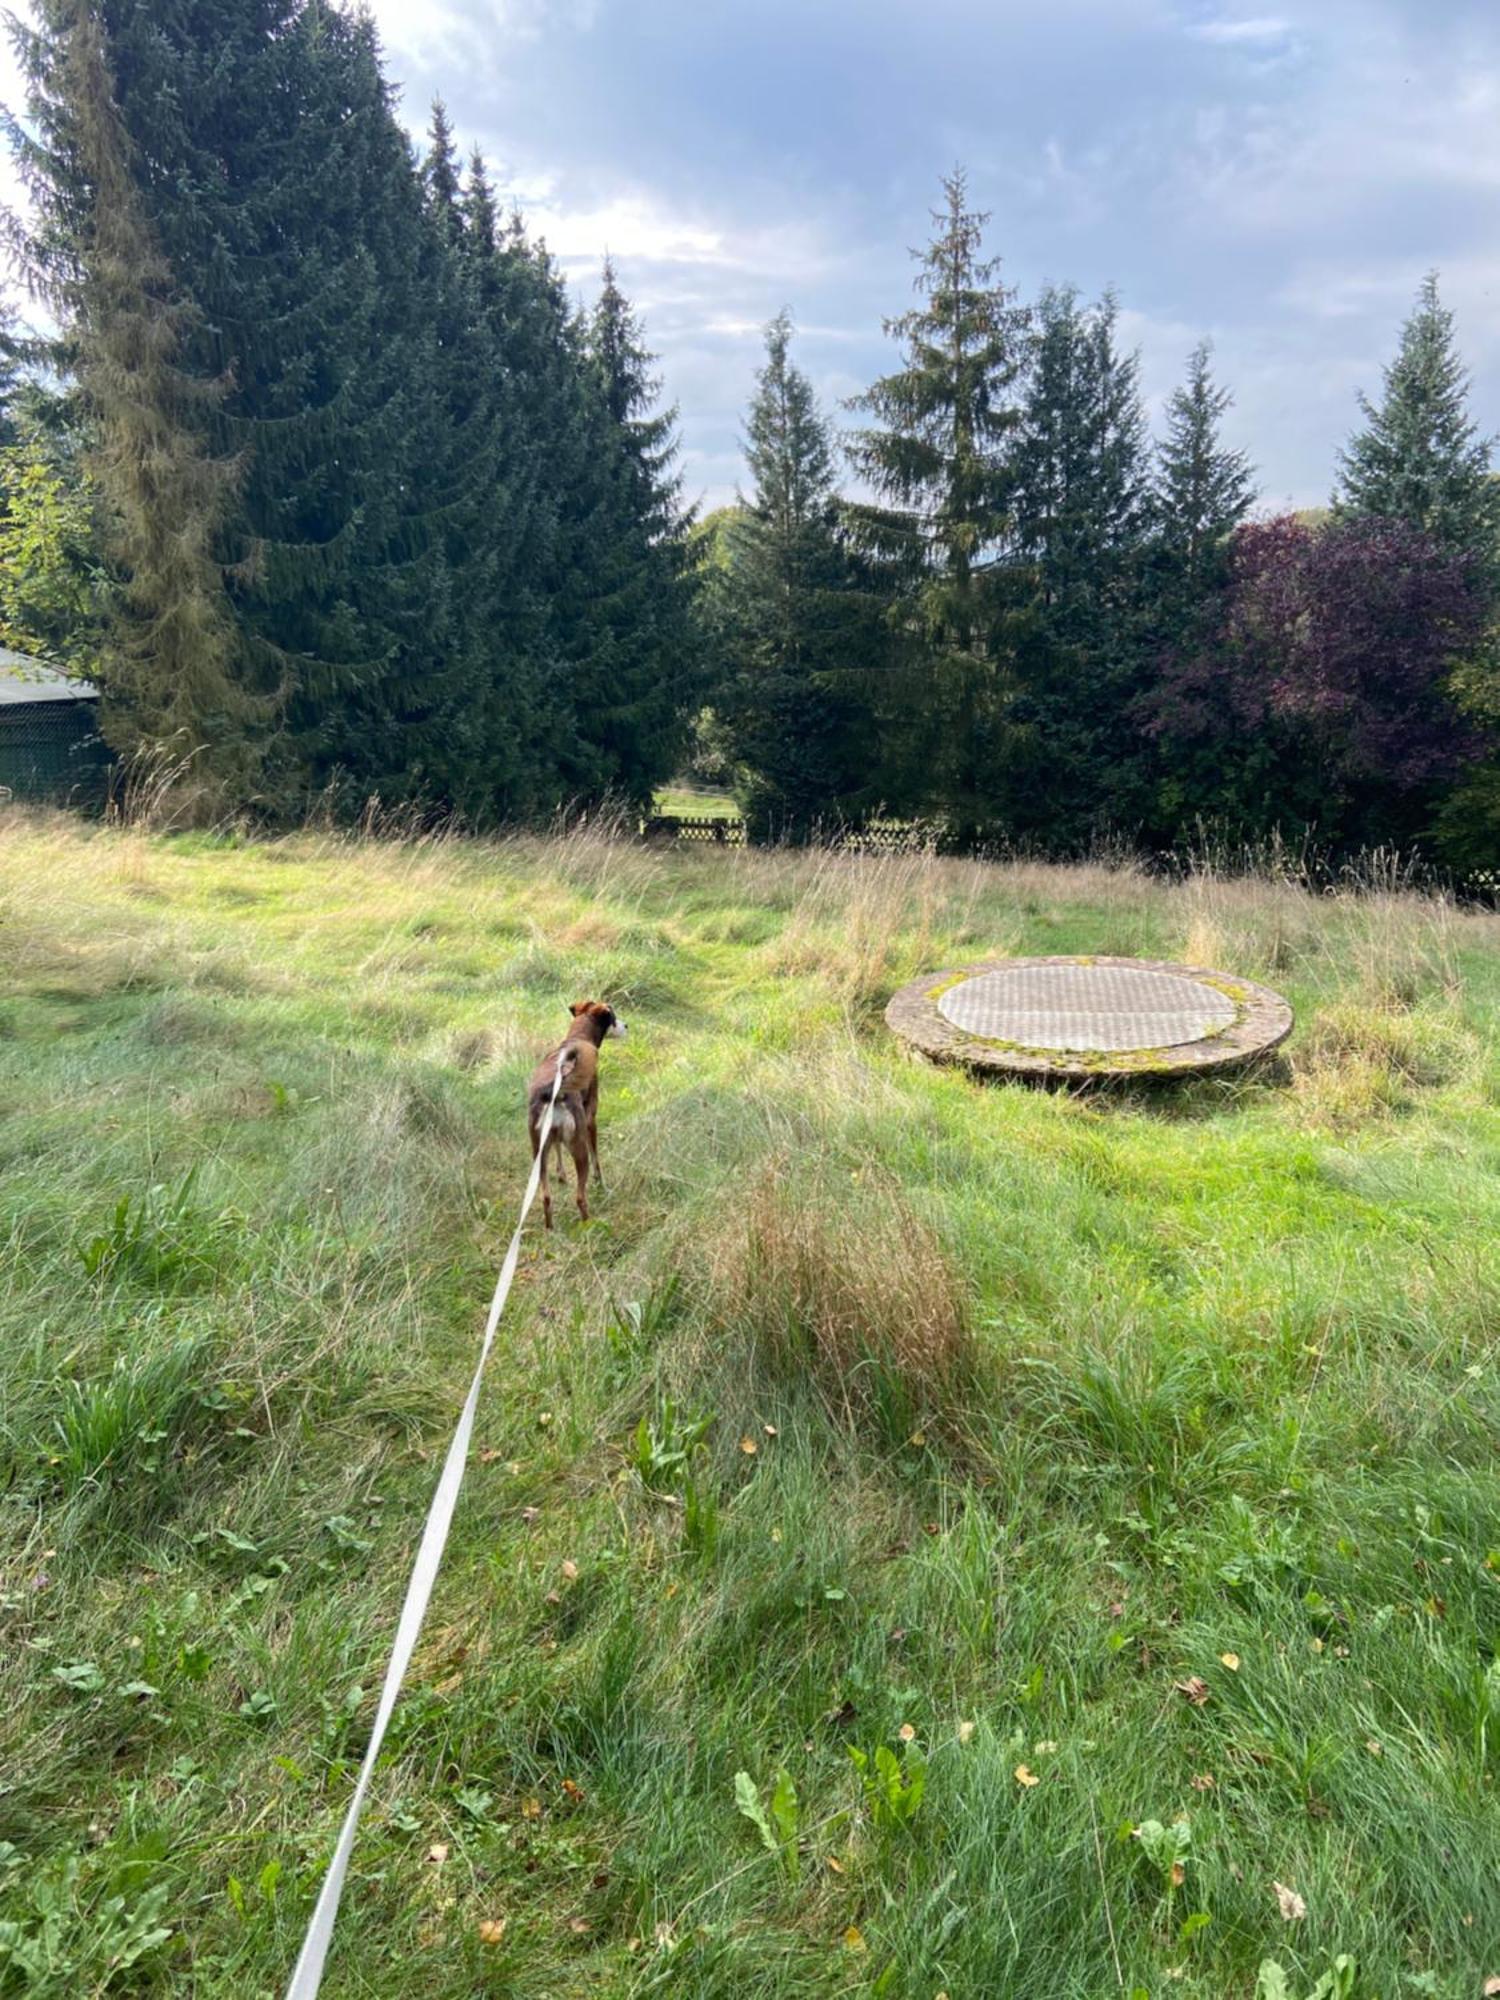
point(1277, 178)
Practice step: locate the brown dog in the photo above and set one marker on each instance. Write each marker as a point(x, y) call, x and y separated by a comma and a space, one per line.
point(575, 1121)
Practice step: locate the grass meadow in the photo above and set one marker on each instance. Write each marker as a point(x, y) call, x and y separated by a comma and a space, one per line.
point(925, 1537)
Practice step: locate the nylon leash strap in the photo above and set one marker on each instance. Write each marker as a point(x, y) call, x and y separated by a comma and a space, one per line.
point(308, 1975)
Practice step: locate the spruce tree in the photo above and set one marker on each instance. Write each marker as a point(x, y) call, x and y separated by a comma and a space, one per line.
point(636, 664)
point(938, 457)
point(1420, 457)
point(561, 473)
point(1204, 489)
point(481, 228)
point(461, 740)
point(532, 378)
point(440, 176)
point(332, 303)
point(1081, 518)
point(788, 618)
point(1081, 487)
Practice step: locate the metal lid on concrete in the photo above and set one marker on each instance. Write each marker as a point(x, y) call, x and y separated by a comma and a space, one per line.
point(1089, 1016)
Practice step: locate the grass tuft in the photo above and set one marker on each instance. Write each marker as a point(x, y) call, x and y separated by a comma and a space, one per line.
point(792, 1287)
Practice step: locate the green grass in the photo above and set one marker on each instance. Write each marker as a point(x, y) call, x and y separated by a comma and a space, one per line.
point(1055, 1401)
point(689, 802)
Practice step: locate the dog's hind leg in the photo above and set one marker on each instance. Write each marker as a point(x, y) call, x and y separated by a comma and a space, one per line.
point(581, 1168)
point(594, 1146)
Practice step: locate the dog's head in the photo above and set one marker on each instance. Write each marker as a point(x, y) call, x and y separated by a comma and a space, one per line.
point(608, 1020)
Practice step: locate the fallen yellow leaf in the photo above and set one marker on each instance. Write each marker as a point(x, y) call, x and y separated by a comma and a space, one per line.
point(965, 1731)
point(853, 1939)
point(1026, 1777)
point(907, 1733)
point(835, 1864)
point(437, 1854)
point(1230, 1660)
point(749, 1447)
point(492, 1930)
point(531, 1808)
point(570, 1571)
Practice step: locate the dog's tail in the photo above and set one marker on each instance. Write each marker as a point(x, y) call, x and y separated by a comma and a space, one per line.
point(564, 1124)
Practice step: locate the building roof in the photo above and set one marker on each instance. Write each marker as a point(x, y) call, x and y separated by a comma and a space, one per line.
point(24, 682)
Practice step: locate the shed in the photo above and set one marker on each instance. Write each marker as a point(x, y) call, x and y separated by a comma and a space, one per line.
point(50, 747)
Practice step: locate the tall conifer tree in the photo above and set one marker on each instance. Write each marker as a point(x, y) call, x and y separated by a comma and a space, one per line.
point(1082, 512)
point(1421, 457)
point(1204, 488)
point(937, 455)
point(790, 617)
point(638, 667)
point(440, 176)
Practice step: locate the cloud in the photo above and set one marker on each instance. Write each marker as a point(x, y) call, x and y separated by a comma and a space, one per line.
point(433, 33)
point(1261, 32)
point(636, 226)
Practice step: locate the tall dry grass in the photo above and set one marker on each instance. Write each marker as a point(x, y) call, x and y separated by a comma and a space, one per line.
point(829, 1277)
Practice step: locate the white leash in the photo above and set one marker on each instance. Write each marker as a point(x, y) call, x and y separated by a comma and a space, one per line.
point(308, 1975)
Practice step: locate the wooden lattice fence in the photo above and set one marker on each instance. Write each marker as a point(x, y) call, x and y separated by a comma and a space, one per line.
point(882, 836)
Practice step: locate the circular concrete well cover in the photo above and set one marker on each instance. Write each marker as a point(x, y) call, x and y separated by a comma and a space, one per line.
point(1089, 1017)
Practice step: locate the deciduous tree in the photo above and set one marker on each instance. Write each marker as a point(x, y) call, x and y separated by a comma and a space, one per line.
point(1326, 701)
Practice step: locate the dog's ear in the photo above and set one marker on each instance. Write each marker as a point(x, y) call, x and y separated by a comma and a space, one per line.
point(579, 1007)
